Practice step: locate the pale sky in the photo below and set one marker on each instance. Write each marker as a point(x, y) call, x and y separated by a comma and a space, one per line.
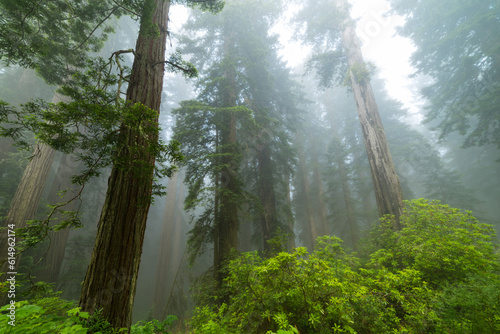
point(376, 31)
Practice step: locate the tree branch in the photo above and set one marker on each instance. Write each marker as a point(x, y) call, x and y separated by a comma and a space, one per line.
point(97, 26)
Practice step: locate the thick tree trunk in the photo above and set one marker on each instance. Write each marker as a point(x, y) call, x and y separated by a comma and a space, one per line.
point(27, 198)
point(111, 278)
point(53, 259)
point(385, 180)
point(25, 202)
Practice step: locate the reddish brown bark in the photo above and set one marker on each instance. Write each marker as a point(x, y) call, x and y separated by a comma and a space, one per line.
point(111, 278)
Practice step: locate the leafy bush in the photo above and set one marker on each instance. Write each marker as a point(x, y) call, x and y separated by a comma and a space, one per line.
point(317, 293)
point(445, 244)
point(437, 275)
point(56, 315)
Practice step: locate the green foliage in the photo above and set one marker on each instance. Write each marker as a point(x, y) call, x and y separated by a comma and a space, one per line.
point(154, 326)
point(362, 73)
point(459, 49)
point(329, 66)
point(329, 291)
point(198, 128)
point(46, 315)
point(54, 37)
point(94, 124)
point(444, 244)
point(176, 64)
point(56, 315)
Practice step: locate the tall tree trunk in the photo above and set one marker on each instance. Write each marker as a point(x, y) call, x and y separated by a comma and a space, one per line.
point(168, 235)
point(27, 198)
point(111, 278)
point(227, 228)
point(309, 215)
point(53, 259)
point(352, 227)
point(321, 214)
point(385, 180)
point(290, 223)
point(346, 190)
point(229, 188)
point(269, 220)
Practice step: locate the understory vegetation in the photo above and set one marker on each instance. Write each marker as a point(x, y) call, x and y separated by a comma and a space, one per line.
point(438, 274)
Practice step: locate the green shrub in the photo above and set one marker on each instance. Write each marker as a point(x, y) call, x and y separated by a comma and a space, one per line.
point(437, 275)
point(56, 315)
point(445, 244)
point(317, 293)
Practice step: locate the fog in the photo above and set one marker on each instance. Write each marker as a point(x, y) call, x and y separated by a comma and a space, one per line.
point(358, 140)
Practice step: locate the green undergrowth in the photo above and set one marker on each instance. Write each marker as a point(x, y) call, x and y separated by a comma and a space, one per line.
point(56, 315)
point(439, 274)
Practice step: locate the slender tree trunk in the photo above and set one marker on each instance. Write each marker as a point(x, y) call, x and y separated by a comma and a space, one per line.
point(217, 257)
point(164, 267)
point(227, 231)
point(321, 214)
point(268, 217)
point(178, 251)
point(290, 222)
point(310, 221)
point(229, 188)
point(111, 278)
point(346, 189)
point(385, 180)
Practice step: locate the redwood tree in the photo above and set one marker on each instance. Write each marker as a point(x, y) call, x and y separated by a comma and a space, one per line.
point(111, 277)
point(330, 28)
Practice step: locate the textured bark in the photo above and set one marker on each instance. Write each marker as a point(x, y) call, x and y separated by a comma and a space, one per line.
point(111, 278)
point(25, 202)
point(385, 180)
point(27, 198)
